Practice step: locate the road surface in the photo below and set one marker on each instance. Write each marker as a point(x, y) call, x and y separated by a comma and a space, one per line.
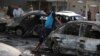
point(26, 44)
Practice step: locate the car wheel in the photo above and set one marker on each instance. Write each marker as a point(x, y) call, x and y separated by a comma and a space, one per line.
point(98, 50)
point(19, 32)
point(55, 49)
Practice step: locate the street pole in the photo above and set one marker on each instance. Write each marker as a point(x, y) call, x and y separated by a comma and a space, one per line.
point(65, 7)
point(57, 6)
point(39, 5)
point(68, 5)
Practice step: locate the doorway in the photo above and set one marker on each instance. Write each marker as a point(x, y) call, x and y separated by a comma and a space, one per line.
point(93, 9)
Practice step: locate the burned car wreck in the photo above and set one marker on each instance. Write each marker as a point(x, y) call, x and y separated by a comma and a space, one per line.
point(25, 25)
point(77, 38)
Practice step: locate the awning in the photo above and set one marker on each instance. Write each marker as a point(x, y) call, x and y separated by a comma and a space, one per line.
point(55, 0)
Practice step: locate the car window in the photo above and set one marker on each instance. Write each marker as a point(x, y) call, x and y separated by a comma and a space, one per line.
point(71, 18)
point(62, 18)
point(79, 18)
point(67, 17)
point(92, 31)
point(71, 29)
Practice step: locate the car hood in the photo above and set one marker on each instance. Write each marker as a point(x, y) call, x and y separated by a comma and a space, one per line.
point(7, 50)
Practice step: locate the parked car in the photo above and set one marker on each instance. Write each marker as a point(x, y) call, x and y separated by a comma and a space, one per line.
point(77, 38)
point(69, 16)
point(26, 24)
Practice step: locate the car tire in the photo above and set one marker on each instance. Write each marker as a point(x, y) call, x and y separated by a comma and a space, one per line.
point(55, 49)
point(98, 50)
point(19, 31)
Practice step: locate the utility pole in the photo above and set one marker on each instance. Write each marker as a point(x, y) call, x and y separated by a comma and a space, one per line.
point(57, 5)
point(65, 7)
point(68, 5)
point(39, 4)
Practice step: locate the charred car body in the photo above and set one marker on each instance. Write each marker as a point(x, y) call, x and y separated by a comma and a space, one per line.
point(26, 24)
point(77, 38)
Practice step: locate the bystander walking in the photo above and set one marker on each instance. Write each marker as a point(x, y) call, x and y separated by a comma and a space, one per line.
point(48, 26)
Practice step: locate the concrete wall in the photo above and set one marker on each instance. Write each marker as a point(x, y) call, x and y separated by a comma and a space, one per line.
point(60, 5)
point(75, 6)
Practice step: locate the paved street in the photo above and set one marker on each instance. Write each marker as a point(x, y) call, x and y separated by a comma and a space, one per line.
point(25, 45)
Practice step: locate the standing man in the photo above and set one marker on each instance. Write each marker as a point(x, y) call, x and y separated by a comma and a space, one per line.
point(89, 15)
point(31, 7)
point(97, 16)
point(18, 11)
point(49, 25)
point(10, 11)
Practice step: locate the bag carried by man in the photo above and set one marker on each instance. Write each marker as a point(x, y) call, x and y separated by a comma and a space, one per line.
point(49, 22)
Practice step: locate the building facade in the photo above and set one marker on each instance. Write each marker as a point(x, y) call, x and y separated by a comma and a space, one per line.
point(86, 5)
point(37, 4)
point(72, 5)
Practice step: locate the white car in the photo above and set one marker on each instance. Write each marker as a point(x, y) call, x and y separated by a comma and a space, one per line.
point(69, 16)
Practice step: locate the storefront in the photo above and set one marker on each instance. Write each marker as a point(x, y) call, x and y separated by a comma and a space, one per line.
point(58, 4)
point(85, 5)
point(94, 7)
point(38, 5)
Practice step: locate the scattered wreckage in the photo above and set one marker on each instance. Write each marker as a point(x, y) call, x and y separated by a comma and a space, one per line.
point(24, 25)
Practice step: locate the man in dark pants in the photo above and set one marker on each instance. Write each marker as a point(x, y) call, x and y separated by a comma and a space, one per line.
point(10, 11)
point(89, 15)
point(44, 32)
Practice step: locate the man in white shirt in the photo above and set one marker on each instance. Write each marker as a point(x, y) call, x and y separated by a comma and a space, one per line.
point(97, 16)
point(18, 12)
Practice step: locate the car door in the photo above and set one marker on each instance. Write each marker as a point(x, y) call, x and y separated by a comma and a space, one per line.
point(70, 35)
point(90, 37)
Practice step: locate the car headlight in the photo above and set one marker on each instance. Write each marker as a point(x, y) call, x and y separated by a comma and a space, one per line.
point(57, 39)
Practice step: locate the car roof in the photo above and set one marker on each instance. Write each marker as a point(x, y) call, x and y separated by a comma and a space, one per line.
point(37, 12)
point(89, 22)
point(67, 13)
